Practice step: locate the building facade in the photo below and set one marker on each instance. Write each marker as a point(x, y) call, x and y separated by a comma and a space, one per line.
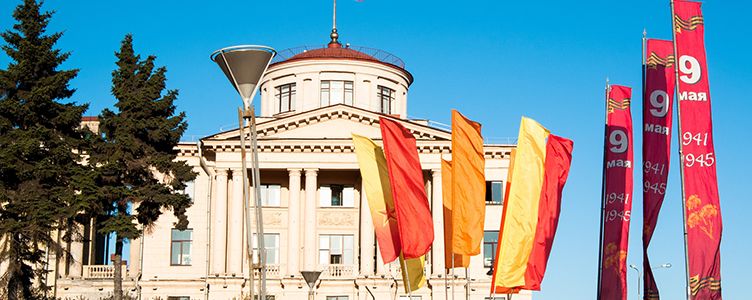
point(315, 213)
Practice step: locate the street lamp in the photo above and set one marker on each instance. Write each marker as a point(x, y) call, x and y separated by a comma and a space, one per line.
point(639, 275)
point(244, 66)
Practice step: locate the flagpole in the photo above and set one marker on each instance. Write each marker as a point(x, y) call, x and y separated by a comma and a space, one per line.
point(467, 285)
point(406, 278)
point(453, 276)
point(681, 149)
point(644, 92)
point(603, 197)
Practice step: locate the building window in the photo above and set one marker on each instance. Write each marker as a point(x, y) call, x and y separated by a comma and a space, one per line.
point(386, 96)
point(337, 195)
point(286, 97)
point(270, 194)
point(336, 91)
point(190, 187)
point(490, 242)
point(271, 244)
point(494, 192)
point(180, 250)
point(337, 297)
point(336, 249)
point(178, 298)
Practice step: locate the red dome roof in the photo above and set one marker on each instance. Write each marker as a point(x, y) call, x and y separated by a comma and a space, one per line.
point(331, 52)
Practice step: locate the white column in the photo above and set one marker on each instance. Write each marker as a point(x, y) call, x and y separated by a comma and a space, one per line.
point(134, 261)
point(309, 242)
point(437, 211)
point(77, 257)
point(219, 224)
point(366, 234)
point(380, 267)
point(235, 225)
point(293, 223)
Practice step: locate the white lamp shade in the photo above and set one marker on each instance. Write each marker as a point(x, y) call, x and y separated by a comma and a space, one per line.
point(244, 66)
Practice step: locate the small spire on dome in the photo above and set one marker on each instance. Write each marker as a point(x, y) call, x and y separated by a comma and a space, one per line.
point(334, 43)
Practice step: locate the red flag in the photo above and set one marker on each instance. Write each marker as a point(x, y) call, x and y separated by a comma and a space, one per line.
point(657, 99)
point(701, 201)
point(558, 160)
point(408, 190)
point(617, 195)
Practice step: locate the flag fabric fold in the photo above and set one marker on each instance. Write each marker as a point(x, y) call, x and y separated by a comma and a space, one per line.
point(558, 160)
point(468, 185)
point(657, 104)
point(451, 260)
point(375, 176)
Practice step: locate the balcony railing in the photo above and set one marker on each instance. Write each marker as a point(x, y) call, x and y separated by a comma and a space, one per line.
point(338, 271)
point(272, 271)
point(102, 271)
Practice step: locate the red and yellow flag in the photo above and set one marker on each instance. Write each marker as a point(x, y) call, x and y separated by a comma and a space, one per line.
point(617, 197)
point(701, 199)
point(520, 216)
point(408, 190)
point(373, 170)
point(375, 176)
point(657, 103)
point(558, 160)
point(451, 260)
point(468, 186)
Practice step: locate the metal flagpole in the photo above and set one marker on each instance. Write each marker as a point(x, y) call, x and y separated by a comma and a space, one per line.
point(259, 215)
point(467, 285)
point(603, 197)
point(246, 204)
point(452, 288)
point(406, 278)
point(681, 148)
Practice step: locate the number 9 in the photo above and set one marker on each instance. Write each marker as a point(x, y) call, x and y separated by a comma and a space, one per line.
point(659, 100)
point(691, 73)
point(618, 140)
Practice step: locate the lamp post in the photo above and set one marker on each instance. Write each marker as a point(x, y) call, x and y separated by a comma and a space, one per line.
point(244, 66)
point(639, 275)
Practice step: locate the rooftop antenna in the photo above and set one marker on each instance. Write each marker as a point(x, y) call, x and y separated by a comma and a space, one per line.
point(334, 35)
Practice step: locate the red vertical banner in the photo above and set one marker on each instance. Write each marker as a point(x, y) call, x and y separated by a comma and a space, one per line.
point(617, 195)
point(657, 103)
point(408, 190)
point(702, 210)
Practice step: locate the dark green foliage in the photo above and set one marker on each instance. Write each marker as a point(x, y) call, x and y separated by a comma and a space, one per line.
point(40, 169)
point(136, 156)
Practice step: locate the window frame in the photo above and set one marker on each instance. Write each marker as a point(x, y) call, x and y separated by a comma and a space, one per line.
point(254, 251)
point(265, 194)
point(343, 189)
point(389, 97)
point(343, 248)
point(494, 247)
point(326, 101)
point(291, 94)
point(489, 192)
point(182, 244)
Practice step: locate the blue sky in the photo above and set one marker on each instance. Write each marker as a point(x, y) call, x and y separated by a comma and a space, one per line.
point(493, 60)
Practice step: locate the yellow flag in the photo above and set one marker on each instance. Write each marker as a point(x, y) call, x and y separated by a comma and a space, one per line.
point(375, 176)
point(521, 208)
point(451, 260)
point(468, 185)
point(373, 170)
point(413, 268)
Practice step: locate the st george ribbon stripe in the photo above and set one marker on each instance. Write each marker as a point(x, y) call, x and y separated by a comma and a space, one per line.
point(657, 103)
point(702, 210)
point(617, 195)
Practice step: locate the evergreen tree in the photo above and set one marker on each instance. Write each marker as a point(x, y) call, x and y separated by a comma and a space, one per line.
point(41, 168)
point(135, 160)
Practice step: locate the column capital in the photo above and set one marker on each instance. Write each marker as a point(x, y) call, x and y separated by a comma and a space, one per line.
point(223, 172)
point(294, 172)
point(311, 172)
point(436, 172)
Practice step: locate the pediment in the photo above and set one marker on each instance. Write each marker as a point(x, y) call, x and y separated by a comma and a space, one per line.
point(335, 122)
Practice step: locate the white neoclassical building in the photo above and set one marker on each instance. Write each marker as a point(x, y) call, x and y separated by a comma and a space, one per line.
point(314, 210)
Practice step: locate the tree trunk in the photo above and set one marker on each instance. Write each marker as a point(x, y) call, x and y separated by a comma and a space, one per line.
point(117, 262)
